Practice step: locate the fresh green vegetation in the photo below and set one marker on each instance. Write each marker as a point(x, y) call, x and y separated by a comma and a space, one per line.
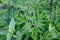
point(29, 19)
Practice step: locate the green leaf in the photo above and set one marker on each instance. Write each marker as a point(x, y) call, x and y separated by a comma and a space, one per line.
point(12, 25)
point(4, 1)
point(11, 29)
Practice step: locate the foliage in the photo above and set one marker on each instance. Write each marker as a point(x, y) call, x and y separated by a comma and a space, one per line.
point(29, 20)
